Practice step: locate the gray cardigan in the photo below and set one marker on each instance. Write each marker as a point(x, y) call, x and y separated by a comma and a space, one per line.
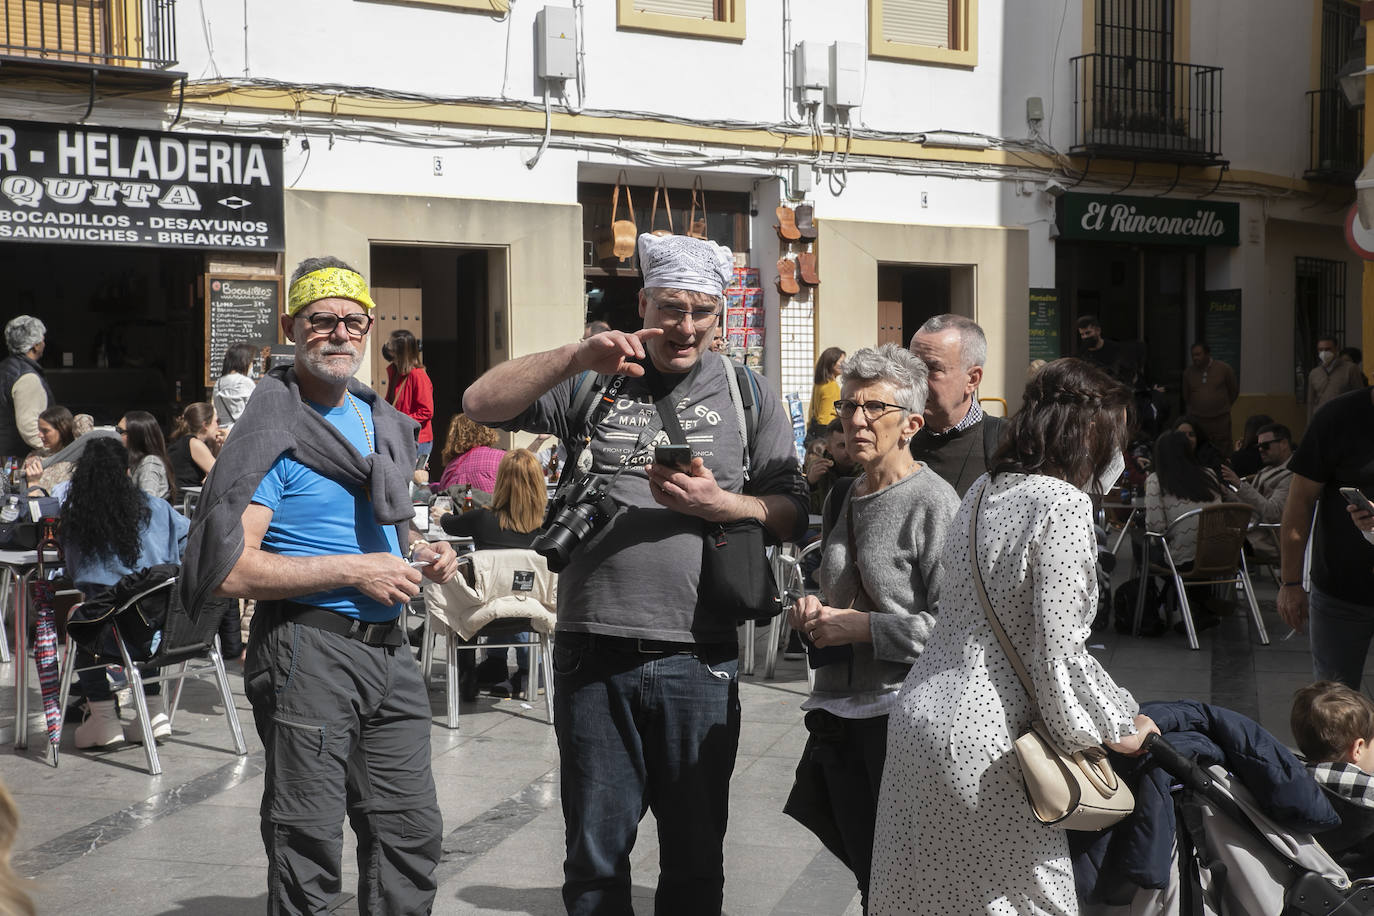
point(899, 533)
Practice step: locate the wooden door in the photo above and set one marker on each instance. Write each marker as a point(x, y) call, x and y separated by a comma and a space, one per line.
point(397, 309)
point(889, 322)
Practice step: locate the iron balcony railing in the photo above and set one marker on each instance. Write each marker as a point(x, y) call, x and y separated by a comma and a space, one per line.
point(1334, 137)
point(124, 33)
point(1150, 110)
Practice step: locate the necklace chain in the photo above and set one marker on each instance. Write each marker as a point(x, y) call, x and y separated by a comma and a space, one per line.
point(366, 435)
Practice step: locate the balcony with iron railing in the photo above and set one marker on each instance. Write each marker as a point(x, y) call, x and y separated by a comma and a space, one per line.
point(129, 34)
point(1335, 131)
point(1146, 110)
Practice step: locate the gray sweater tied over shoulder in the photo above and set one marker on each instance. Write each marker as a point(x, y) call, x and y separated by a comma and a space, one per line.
point(899, 537)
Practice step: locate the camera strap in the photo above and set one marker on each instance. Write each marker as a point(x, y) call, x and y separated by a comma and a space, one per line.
point(671, 425)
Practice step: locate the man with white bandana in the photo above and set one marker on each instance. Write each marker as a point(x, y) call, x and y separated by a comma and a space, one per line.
point(646, 701)
point(307, 510)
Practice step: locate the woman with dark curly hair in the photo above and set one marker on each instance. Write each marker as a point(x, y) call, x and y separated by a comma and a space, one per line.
point(149, 464)
point(470, 456)
point(111, 528)
point(955, 834)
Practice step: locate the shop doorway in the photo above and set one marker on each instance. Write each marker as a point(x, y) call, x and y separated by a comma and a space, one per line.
point(910, 294)
point(126, 326)
point(1145, 296)
point(446, 297)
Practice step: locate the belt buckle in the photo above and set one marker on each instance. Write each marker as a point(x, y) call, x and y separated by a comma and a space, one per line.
point(374, 633)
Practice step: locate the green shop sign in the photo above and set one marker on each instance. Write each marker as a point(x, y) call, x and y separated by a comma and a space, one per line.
point(1153, 220)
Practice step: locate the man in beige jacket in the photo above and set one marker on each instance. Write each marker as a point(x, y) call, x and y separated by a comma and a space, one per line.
point(1267, 490)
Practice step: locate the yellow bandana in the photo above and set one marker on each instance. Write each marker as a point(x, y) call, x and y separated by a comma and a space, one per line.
point(328, 283)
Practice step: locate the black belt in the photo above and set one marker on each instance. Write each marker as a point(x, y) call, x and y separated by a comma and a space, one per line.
point(630, 645)
point(386, 634)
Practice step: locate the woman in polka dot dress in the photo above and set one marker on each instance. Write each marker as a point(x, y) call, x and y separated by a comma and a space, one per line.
point(955, 836)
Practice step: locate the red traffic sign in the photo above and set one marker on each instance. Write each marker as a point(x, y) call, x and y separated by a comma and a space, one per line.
point(1360, 239)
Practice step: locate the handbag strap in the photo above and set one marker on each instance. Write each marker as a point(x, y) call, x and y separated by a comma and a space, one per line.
point(667, 204)
point(698, 198)
point(621, 179)
point(996, 624)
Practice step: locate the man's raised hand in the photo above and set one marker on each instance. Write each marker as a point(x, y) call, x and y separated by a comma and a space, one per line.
point(611, 352)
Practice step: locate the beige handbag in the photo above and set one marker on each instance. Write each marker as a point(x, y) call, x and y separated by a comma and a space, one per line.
point(1078, 791)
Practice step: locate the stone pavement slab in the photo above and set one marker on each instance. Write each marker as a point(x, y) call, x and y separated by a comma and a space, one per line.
point(98, 828)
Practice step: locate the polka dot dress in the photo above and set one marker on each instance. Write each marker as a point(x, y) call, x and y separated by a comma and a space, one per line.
point(954, 835)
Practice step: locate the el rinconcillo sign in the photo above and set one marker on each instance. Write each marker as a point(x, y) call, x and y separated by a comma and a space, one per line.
point(1153, 220)
point(86, 185)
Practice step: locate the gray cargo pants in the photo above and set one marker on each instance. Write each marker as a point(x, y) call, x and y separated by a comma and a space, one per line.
point(346, 728)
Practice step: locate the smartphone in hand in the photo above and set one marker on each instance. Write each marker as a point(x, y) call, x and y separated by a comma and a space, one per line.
point(1357, 499)
point(677, 457)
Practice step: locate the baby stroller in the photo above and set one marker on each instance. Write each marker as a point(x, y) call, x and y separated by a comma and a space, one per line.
point(1231, 859)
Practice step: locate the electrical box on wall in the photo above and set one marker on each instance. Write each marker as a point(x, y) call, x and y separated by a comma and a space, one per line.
point(846, 83)
point(812, 71)
point(555, 43)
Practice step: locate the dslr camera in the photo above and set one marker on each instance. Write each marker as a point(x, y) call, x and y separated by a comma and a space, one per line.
point(575, 513)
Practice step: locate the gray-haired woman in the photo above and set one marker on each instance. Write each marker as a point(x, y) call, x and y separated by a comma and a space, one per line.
point(880, 575)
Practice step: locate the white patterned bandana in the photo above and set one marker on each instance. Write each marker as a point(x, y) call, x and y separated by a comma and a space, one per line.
point(1345, 780)
point(681, 262)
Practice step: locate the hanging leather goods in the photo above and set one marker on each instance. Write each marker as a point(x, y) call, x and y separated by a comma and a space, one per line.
point(661, 185)
point(618, 242)
point(696, 228)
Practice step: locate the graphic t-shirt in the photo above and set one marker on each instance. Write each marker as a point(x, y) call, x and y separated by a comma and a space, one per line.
point(637, 575)
point(1338, 451)
point(314, 516)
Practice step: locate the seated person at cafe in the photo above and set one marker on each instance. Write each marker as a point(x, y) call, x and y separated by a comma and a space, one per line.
point(56, 431)
point(470, 457)
point(111, 528)
point(512, 521)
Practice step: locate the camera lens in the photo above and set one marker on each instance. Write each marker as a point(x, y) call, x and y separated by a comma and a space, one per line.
point(557, 543)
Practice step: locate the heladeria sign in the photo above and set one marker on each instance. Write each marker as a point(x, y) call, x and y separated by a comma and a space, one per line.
point(1153, 220)
point(76, 184)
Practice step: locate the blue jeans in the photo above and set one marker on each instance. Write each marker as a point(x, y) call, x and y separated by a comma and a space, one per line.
point(637, 731)
point(1339, 633)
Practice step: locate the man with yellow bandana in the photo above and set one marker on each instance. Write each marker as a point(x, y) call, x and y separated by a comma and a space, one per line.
point(308, 510)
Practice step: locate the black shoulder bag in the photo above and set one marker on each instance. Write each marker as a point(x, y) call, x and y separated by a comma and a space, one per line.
point(737, 583)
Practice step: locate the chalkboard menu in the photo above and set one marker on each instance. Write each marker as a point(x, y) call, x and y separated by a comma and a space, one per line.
point(238, 309)
point(1221, 326)
point(1044, 324)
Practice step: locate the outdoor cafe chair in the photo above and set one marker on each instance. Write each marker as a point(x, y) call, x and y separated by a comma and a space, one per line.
point(1219, 560)
point(183, 641)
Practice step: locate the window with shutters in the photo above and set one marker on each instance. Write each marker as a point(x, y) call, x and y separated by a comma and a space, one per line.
point(721, 19)
point(130, 33)
point(933, 31)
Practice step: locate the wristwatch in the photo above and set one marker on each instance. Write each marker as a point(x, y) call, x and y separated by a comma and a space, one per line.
point(1292, 585)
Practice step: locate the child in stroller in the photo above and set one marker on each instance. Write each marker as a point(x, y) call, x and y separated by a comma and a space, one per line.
point(1334, 728)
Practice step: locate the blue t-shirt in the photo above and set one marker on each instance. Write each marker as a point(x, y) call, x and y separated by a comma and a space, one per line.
point(314, 516)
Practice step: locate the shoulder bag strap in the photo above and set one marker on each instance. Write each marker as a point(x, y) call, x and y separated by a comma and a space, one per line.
point(661, 185)
point(737, 399)
point(615, 199)
point(996, 624)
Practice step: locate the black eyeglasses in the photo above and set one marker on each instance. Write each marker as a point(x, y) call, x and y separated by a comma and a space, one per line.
point(121, 430)
point(872, 409)
point(356, 324)
point(1264, 446)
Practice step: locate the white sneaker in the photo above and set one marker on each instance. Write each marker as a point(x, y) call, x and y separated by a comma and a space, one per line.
point(101, 727)
point(157, 714)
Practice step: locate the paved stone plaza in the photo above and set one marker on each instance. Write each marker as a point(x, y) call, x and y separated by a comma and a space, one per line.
point(99, 835)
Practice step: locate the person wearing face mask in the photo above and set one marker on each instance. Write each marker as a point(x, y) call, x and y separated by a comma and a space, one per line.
point(1333, 376)
point(954, 832)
